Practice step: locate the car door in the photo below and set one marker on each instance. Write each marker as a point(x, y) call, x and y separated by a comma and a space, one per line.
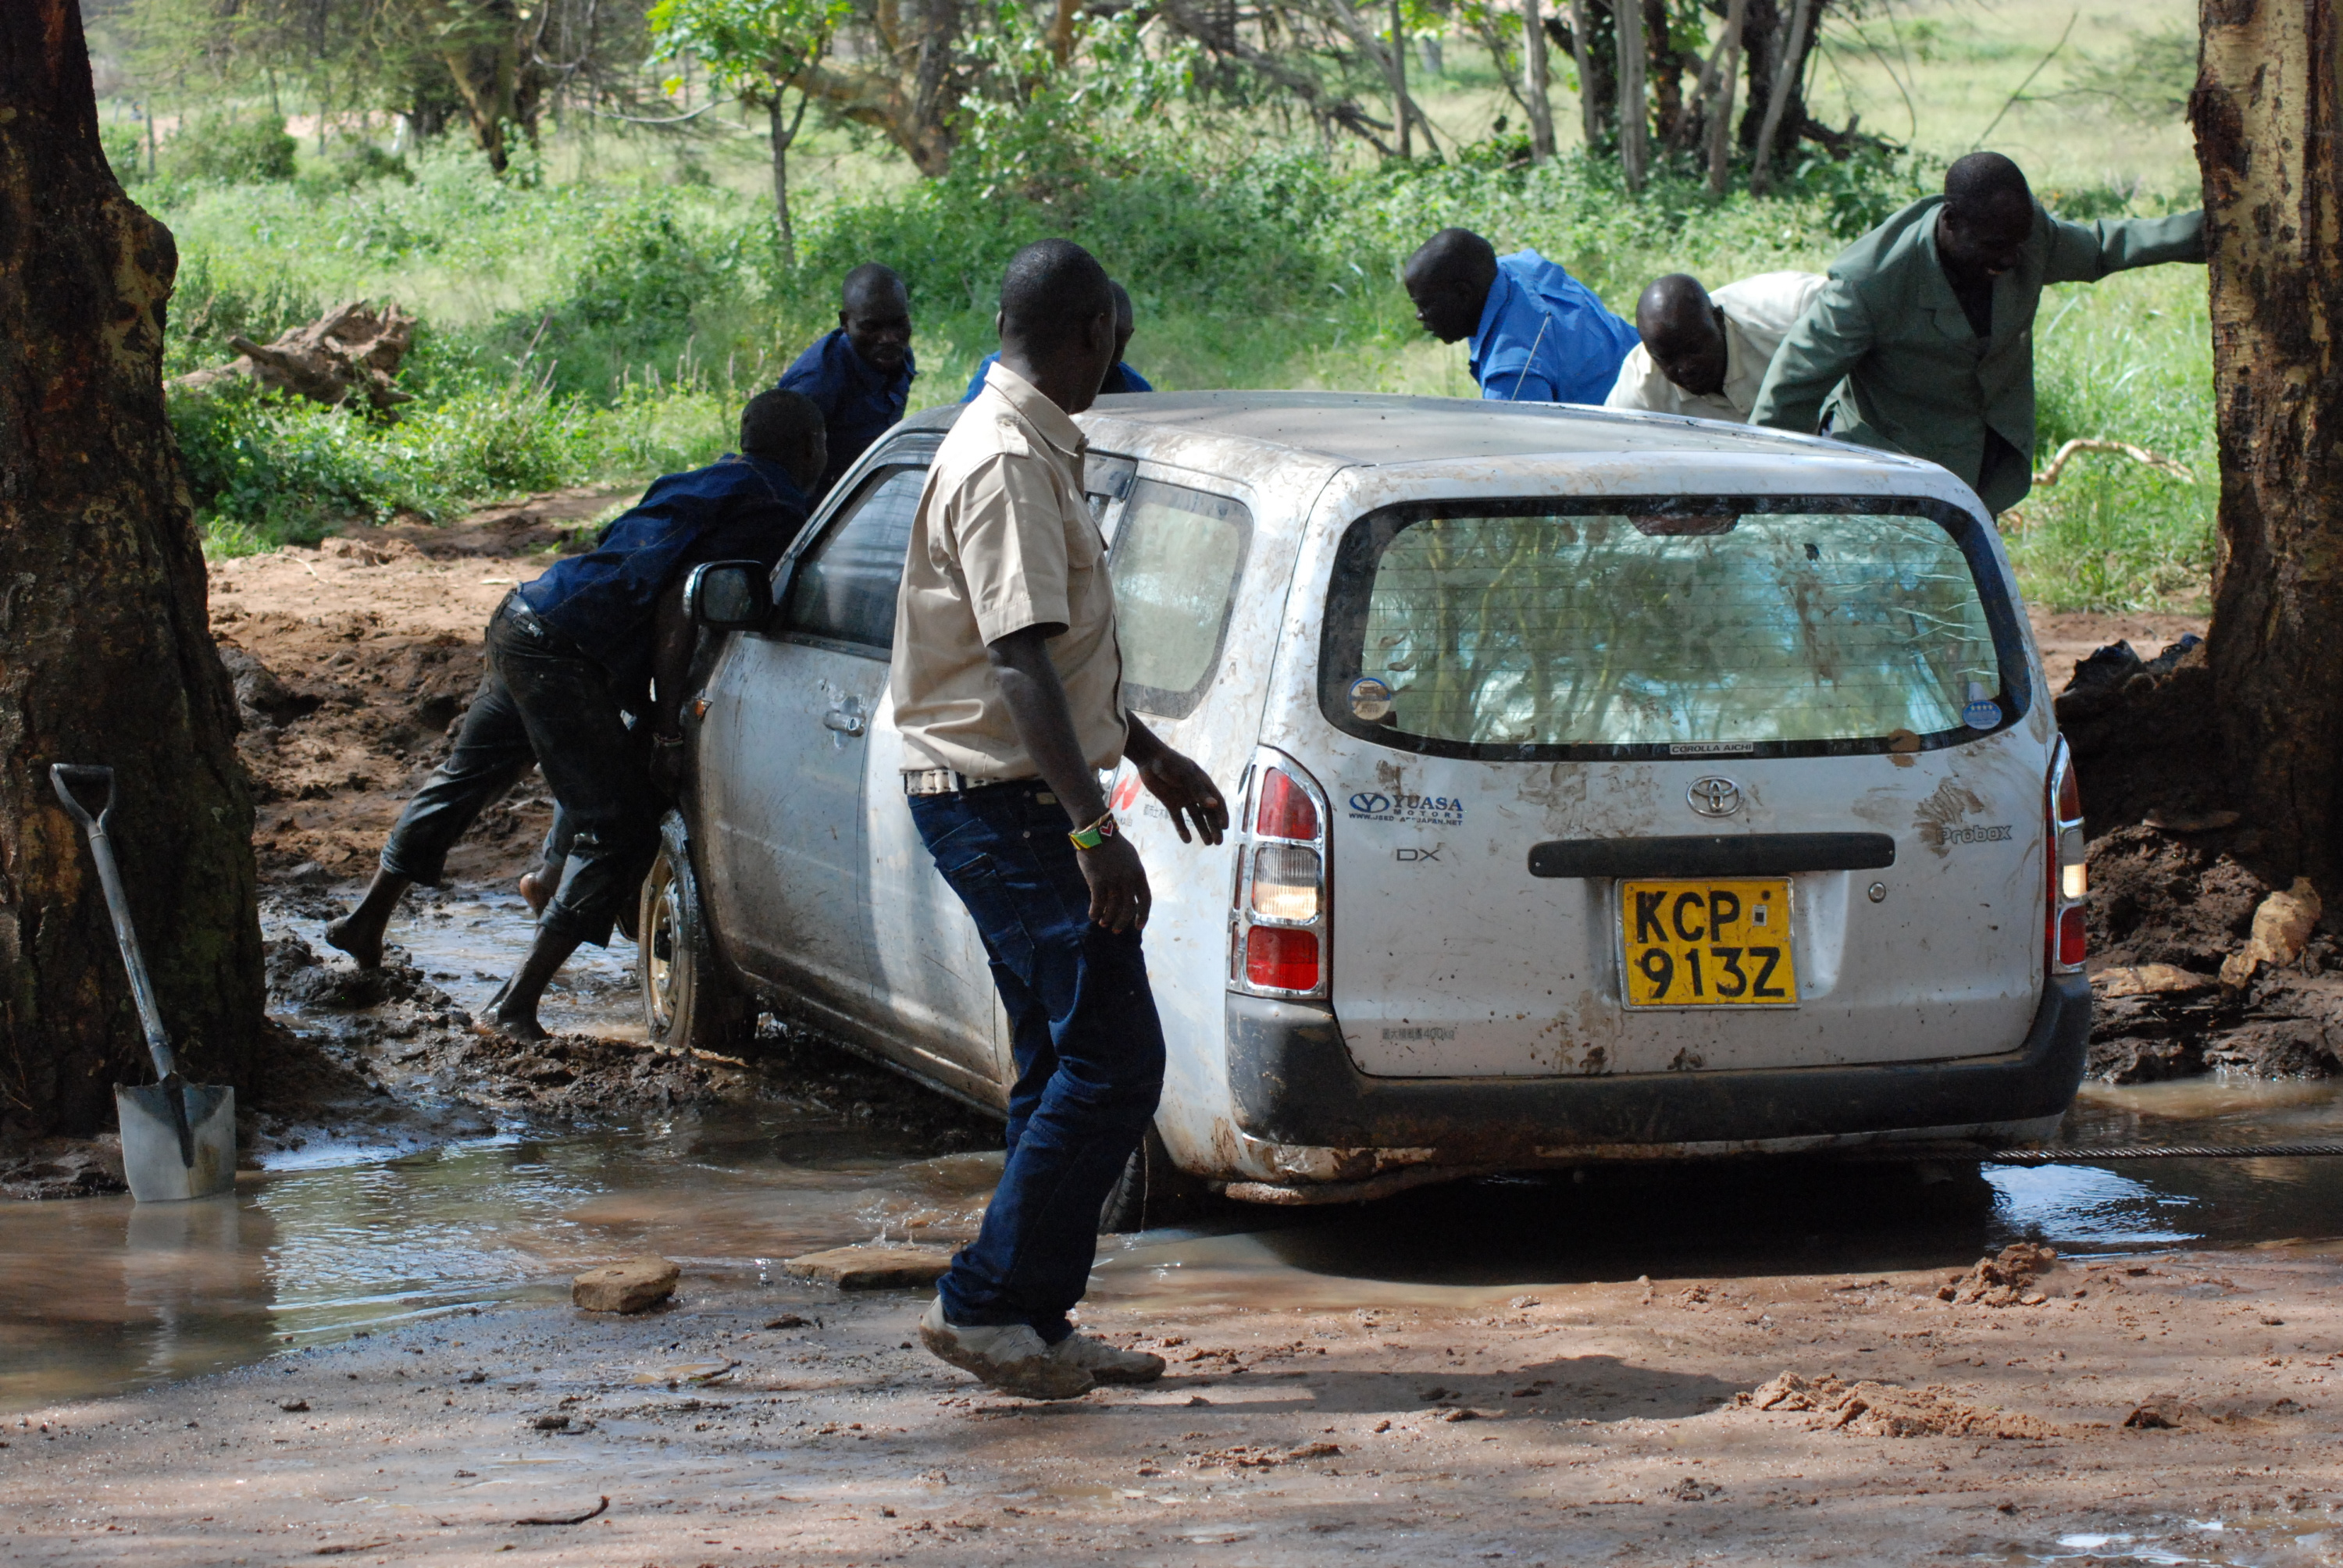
point(782, 760)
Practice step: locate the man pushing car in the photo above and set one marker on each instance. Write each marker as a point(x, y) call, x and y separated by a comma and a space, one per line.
point(1007, 681)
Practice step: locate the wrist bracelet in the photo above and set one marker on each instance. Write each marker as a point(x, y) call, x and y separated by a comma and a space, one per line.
point(1096, 833)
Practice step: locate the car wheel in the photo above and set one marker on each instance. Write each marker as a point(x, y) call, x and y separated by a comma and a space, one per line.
point(1153, 1192)
point(689, 1002)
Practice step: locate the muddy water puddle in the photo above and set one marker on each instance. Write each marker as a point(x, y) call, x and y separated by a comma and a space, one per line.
point(99, 1295)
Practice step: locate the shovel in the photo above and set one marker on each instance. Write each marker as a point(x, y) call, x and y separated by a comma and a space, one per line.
point(178, 1139)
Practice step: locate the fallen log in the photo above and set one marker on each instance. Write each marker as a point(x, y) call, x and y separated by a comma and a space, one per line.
point(350, 352)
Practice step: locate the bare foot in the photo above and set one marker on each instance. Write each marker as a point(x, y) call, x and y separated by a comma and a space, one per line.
point(361, 940)
point(536, 891)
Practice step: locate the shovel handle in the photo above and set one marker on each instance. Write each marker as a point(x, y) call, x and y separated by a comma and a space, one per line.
point(65, 778)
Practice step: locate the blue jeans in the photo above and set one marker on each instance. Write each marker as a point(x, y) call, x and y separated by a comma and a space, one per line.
point(1088, 1045)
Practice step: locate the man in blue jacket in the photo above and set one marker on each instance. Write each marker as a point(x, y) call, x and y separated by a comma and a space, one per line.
point(1122, 378)
point(587, 669)
point(1538, 335)
point(859, 373)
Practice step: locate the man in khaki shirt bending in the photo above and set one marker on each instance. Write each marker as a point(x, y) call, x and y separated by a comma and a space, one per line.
point(1007, 681)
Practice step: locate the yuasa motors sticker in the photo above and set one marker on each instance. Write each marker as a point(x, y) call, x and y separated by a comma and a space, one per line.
point(1371, 699)
point(1416, 810)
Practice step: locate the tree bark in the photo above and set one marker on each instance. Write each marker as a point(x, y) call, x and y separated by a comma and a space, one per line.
point(1635, 113)
point(2265, 115)
point(1598, 89)
point(1789, 61)
point(1720, 106)
point(104, 652)
point(1534, 100)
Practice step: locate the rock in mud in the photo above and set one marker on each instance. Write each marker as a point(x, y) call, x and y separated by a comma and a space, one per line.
point(2282, 926)
point(1887, 1410)
point(2170, 1413)
point(875, 1268)
point(634, 1285)
point(2006, 1280)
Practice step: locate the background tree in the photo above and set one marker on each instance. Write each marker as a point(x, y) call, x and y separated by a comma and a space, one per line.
point(104, 652)
point(2267, 116)
point(758, 50)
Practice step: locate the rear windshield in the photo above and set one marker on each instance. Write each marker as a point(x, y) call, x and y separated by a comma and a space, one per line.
point(1677, 626)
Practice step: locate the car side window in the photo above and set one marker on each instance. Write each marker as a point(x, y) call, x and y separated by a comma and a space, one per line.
point(844, 589)
point(1176, 561)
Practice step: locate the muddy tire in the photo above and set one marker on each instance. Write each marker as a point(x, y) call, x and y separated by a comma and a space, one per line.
point(689, 1003)
point(1153, 1192)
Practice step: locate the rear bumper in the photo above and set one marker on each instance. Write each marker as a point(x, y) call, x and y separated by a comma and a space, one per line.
point(1293, 1083)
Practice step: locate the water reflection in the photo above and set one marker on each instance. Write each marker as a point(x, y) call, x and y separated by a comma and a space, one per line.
point(99, 1295)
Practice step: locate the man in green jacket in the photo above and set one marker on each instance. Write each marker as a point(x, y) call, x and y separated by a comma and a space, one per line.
point(1923, 340)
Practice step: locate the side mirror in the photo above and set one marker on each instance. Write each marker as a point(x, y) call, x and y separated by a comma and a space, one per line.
point(728, 596)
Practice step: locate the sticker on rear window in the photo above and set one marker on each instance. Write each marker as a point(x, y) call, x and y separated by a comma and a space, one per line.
point(1982, 712)
point(1371, 699)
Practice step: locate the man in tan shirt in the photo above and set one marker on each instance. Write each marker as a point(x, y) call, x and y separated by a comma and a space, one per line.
point(1705, 353)
point(1007, 681)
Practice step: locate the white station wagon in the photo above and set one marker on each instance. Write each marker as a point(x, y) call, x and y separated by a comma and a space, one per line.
point(1606, 786)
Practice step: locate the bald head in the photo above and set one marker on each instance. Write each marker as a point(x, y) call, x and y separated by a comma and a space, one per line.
point(1449, 279)
point(875, 310)
point(1683, 332)
point(1987, 218)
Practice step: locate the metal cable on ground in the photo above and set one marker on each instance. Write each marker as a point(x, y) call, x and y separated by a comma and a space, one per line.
point(2060, 1155)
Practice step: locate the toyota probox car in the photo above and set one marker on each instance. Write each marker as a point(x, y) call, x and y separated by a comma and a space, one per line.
point(1606, 786)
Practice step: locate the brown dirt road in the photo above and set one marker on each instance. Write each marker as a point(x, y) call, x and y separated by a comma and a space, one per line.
point(1603, 1422)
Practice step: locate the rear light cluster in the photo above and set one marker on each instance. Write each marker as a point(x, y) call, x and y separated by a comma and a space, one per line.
point(1278, 926)
point(2064, 943)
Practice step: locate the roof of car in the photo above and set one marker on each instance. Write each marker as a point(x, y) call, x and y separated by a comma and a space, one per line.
point(1380, 428)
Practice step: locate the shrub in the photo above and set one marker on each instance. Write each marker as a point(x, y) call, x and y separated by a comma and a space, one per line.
point(125, 151)
point(231, 150)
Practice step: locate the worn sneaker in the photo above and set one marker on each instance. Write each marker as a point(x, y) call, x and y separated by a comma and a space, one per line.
point(1009, 1357)
point(1104, 1363)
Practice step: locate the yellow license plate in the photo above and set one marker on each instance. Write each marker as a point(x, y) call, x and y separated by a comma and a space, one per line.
point(1723, 943)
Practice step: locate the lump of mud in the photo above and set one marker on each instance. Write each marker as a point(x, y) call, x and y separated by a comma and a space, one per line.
point(260, 698)
point(1887, 1410)
point(2170, 1413)
point(2006, 1280)
point(61, 1168)
point(2161, 898)
point(298, 978)
point(2141, 730)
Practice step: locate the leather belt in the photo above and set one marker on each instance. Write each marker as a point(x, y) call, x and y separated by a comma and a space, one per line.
point(944, 781)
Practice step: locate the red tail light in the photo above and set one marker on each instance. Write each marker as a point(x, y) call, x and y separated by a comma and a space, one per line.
point(1286, 813)
point(1281, 958)
point(1280, 916)
point(2065, 943)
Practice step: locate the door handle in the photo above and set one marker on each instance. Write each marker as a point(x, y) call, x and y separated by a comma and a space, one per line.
point(842, 721)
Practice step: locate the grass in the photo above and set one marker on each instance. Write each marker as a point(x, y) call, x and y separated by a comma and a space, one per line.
point(600, 316)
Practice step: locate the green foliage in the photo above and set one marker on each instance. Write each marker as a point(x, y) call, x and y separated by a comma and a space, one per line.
point(230, 149)
point(2145, 83)
point(355, 161)
point(753, 46)
point(125, 151)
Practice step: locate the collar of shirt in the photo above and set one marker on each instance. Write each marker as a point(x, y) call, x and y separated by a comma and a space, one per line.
point(864, 376)
point(1047, 419)
point(1492, 312)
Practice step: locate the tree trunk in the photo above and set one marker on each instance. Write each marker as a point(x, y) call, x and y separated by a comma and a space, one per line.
point(1534, 100)
point(1664, 69)
point(104, 653)
point(1598, 84)
point(783, 135)
point(1635, 113)
point(1399, 79)
point(1720, 106)
point(1789, 60)
point(1761, 43)
point(2267, 117)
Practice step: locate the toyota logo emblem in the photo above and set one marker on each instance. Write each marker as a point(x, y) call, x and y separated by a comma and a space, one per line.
point(1715, 797)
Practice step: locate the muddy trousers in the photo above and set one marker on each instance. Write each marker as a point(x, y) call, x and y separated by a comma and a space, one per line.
point(1088, 1043)
point(492, 752)
point(596, 765)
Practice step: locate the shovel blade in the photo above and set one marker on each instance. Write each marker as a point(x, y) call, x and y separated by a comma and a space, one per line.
point(151, 1160)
